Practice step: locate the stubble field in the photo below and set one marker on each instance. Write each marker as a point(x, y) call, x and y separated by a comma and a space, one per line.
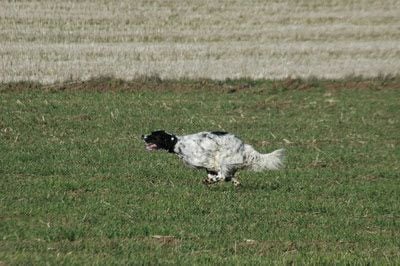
point(51, 41)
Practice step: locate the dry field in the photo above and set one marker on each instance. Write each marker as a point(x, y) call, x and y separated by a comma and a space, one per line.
point(51, 41)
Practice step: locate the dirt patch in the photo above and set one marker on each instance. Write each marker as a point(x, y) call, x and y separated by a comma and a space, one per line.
point(103, 84)
point(168, 240)
point(379, 83)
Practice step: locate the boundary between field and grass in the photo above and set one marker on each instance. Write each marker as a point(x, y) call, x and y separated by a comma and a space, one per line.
point(109, 83)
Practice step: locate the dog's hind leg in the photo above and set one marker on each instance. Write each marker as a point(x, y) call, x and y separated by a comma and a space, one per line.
point(228, 172)
point(236, 183)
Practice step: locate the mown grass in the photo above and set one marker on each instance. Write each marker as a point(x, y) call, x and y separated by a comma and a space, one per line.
point(78, 186)
point(49, 41)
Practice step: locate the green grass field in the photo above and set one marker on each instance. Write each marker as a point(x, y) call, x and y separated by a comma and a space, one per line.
point(78, 187)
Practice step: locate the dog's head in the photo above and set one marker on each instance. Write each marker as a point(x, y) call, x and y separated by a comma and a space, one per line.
point(160, 140)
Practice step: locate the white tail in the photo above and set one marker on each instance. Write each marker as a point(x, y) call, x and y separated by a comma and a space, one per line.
point(270, 161)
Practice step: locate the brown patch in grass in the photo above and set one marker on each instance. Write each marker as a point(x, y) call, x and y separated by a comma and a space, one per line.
point(266, 247)
point(295, 84)
point(165, 240)
point(81, 117)
point(379, 83)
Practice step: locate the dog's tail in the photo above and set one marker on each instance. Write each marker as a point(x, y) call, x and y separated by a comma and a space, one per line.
point(269, 161)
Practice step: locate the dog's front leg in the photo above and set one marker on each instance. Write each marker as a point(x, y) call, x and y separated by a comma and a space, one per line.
point(212, 177)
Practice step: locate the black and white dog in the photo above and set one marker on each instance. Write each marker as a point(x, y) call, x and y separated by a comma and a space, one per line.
point(220, 153)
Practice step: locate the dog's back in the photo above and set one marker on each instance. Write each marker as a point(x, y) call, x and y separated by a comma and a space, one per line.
point(209, 149)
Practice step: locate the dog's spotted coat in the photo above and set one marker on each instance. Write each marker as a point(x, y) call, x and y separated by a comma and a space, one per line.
point(220, 153)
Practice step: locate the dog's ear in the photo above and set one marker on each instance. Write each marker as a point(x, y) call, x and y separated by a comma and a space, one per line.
point(161, 132)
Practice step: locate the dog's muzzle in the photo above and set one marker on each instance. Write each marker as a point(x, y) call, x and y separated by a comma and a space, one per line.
point(149, 146)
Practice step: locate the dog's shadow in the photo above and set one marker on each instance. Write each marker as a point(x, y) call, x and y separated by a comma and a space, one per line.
point(266, 186)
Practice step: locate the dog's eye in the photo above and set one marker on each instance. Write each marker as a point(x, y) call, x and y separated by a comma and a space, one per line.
point(172, 138)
